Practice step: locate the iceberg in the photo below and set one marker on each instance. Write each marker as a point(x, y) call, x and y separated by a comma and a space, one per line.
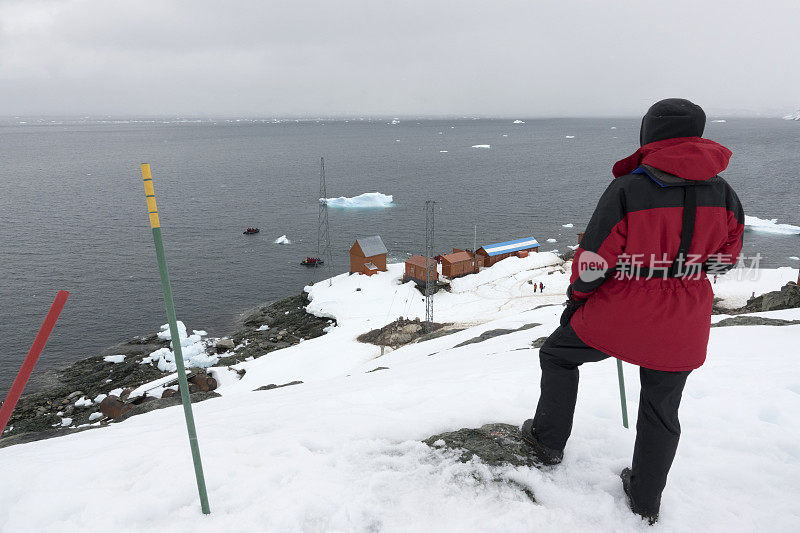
point(283, 239)
point(570, 225)
point(720, 121)
point(569, 136)
point(792, 116)
point(481, 145)
point(368, 200)
point(769, 226)
point(519, 122)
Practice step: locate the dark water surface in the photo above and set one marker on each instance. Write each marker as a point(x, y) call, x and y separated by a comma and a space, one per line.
point(73, 211)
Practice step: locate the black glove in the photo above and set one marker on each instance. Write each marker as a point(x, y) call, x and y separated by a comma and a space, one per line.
point(572, 305)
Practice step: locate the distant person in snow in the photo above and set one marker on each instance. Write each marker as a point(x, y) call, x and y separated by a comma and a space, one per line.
point(639, 291)
point(534, 286)
point(541, 287)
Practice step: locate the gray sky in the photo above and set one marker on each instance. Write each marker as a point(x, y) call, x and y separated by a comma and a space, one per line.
point(406, 57)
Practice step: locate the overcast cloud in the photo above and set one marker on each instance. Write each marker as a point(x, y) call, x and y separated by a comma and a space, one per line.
point(407, 57)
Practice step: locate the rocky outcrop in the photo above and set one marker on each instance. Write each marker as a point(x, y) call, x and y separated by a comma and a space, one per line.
point(493, 444)
point(788, 297)
point(397, 333)
point(492, 333)
point(746, 320)
point(274, 386)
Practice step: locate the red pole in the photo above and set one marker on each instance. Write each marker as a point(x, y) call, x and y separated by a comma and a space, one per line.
point(31, 358)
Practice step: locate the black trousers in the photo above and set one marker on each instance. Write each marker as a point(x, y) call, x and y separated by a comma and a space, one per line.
point(657, 427)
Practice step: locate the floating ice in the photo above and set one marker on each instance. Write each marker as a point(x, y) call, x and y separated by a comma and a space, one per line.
point(792, 116)
point(114, 358)
point(481, 145)
point(283, 239)
point(570, 225)
point(519, 122)
point(569, 136)
point(442, 151)
point(368, 200)
point(770, 226)
point(720, 121)
point(794, 258)
point(551, 240)
point(613, 127)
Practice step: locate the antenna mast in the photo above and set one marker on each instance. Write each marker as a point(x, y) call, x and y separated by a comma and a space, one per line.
point(323, 230)
point(430, 264)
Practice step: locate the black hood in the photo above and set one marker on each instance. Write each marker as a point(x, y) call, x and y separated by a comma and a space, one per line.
point(670, 118)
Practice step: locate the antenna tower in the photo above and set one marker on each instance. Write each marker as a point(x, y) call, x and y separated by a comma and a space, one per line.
point(323, 230)
point(430, 264)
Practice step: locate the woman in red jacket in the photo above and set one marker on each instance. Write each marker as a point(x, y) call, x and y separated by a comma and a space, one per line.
point(639, 290)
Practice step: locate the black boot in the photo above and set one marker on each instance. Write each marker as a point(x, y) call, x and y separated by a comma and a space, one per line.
point(625, 475)
point(542, 454)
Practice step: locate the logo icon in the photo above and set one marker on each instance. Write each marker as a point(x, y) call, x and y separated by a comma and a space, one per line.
point(591, 266)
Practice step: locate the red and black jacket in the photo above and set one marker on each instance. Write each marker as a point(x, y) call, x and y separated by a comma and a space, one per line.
point(659, 320)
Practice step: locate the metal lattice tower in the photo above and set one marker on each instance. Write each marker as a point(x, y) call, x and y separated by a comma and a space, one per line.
point(430, 263)
point(323, 230)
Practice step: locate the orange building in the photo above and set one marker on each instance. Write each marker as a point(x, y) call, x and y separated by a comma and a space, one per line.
point(460, 263)
point(368, 256)
point(416, 269)
point(493, 253)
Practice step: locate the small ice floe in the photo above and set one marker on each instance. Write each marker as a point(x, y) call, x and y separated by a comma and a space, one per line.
point(519, 121)
point(570, 225)
point(569, 136)
point(263, 328)
point(720, 121)
point(368, 200)
point(442, 151)
point(769, 226)
point(551, 240)
point(613, 127)
point(395, 121)
point(794, 258)
point(283, 239)
point(397, 140)
point(114, 358)
point(484, 146)
point(572, 247)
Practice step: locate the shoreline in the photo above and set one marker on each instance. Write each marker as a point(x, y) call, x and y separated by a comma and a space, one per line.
point(75, 391)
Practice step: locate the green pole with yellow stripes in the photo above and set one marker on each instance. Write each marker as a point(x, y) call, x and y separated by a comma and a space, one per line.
point(150, 194)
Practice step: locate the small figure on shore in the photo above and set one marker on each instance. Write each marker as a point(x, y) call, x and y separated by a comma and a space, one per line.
point(715, 279)
point(534, 286)
point(541, 287)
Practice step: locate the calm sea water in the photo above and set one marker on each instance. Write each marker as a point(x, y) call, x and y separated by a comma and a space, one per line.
point(73, 211)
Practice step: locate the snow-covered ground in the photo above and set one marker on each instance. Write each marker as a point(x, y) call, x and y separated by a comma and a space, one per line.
point(342, 451)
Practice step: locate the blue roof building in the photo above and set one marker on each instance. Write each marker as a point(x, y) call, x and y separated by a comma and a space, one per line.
point(495, 252)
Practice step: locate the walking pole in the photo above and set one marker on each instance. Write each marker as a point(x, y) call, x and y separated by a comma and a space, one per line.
point(173, 330)
point(622, 394)
point(31, 358)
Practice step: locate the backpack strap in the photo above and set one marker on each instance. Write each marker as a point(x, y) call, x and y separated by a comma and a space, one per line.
point(677, 268)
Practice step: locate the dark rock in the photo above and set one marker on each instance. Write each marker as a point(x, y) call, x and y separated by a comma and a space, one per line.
point(377, 368)
point(788, 297)
point(494, 444)
point(746, 320)
point(538, 343)
point(397, 333)
point(274, 386)
point(154, 404)
point(492, 333)
point(224, 345)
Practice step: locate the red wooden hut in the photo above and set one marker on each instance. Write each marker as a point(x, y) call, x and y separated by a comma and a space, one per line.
point(368, 256)
point(460, 263)
point(416, 269)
